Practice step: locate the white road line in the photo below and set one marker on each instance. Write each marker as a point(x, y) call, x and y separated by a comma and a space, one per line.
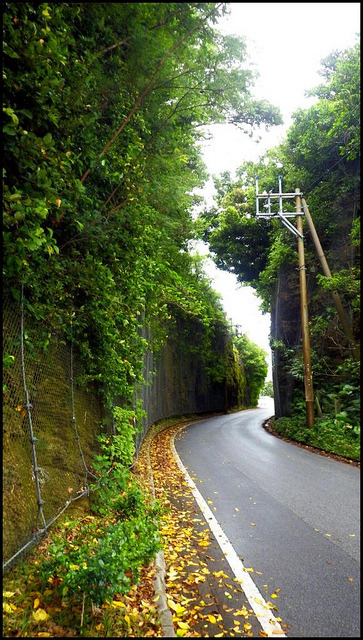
point(264, 615)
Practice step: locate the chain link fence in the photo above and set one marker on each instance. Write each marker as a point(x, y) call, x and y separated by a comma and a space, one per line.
point(50, 426)
point(51, 422)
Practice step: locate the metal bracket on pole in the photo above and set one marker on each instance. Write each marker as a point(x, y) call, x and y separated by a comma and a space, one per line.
point(283, 215)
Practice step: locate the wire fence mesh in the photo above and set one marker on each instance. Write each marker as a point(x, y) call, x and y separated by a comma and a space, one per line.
point(52, 419)
point(62, 445)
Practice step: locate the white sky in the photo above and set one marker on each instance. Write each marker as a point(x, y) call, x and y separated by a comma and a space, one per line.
point(286, 42)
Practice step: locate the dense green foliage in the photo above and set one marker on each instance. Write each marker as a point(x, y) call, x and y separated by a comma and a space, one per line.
point(254, 366)
point(108, 563)
point(103, 107)
point(267, 389)
point(334, 436)
point(102, 111)
point(320, 156)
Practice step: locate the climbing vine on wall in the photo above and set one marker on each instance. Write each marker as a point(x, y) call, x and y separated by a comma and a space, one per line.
point(102, 109)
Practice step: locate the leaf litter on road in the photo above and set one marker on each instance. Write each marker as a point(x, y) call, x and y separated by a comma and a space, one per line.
point(198, 577)
point(204, 599)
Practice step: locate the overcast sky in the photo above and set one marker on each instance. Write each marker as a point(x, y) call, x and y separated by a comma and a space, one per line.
point(286, 42)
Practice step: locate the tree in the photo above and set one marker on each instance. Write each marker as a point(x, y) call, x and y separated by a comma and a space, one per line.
point(255, 367)
point(320, 156)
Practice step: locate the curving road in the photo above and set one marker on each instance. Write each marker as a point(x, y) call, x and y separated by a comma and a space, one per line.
point(291, 515)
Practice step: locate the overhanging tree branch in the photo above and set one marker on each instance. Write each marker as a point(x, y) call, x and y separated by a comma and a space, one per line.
point(150, 84)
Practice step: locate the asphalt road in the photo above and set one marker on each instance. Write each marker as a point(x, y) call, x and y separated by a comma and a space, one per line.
point(290, 514)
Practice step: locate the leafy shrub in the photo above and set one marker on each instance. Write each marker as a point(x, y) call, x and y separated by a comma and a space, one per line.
point(334, 435)
point(102, 566)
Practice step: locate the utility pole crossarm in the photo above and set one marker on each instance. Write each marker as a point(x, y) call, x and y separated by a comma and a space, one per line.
point(283, 215)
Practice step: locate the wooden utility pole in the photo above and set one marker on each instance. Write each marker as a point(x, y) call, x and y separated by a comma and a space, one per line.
point(323, 261)
point(267, 198)
point(308, 377)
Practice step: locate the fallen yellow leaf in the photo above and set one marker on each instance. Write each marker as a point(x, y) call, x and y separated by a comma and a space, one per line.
point(127, 618)
point(182, 625)
point(219, 574)
point(36, 603)
point(40, 615)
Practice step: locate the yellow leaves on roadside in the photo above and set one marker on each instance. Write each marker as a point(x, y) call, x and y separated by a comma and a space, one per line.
point(36, 603)
point(127, 619)
point(204, 543)
point(172, 574)
point(219, 574)
point(186, 542)
point(211, 618)
point(183, 625)
point(9, 607)
point(176, 607)
point(118, 603)
point(40, 615)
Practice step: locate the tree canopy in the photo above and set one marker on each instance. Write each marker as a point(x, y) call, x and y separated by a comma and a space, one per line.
point(103, 107)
